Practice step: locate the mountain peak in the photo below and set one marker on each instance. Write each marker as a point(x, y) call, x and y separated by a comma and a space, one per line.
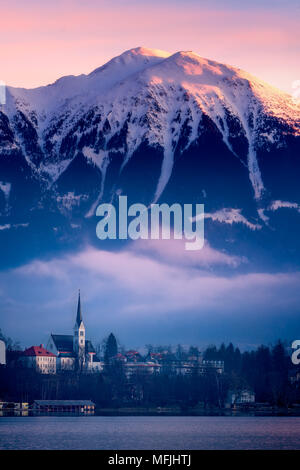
point(135, 58)
point(145, 124)
point(145, 51)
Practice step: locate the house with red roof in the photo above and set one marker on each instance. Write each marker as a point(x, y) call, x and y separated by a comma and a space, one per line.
point(40, 359)
point(133, 356)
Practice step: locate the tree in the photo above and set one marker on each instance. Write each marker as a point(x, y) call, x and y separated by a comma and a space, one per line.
point(262, 374)
point(111, 348)
point(194, 351)
point(211, 353)
point(150, 348)
point(11, 345)
point(279, 375)
point(180, 353)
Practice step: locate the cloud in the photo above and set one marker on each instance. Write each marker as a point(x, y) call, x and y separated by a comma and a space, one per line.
point(148, 293)
point(159, 284)
point(173, 252)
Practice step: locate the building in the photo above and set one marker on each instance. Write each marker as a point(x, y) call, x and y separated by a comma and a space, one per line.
point(75, 352)
point(7, 406)
point(241, 397)
point(216, 366)
point(2, 353)
point(133, 356)
point(193, 366)
point(40, 359)
point(64, 406)
point(141, 368)
point(133, 364)
point(294, 377)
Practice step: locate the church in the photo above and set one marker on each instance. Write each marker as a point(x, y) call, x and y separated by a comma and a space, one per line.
point(75, 352)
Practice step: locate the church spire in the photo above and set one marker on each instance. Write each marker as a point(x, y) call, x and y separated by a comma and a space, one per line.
point(79, 314)
point(79, 336)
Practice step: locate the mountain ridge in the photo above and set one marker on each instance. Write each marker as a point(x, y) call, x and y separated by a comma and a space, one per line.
point(158, 127)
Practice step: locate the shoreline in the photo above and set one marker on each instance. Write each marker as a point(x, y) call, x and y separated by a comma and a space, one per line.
point(163, 412)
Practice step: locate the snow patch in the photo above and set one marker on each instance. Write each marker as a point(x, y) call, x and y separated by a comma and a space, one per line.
point(275, 205)
point(25, 224)
point(231, 216)
point(5, 187)
point(69, 201)
point(263, 216)
point(103, 159)
point(97, 158)
point(54, 170)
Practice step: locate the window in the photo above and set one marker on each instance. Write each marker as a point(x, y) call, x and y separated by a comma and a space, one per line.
point(81, 333)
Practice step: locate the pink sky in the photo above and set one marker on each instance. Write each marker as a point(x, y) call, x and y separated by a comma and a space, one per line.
point(41, 42)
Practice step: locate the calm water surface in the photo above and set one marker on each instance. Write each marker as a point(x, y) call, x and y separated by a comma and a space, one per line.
point(150, 432)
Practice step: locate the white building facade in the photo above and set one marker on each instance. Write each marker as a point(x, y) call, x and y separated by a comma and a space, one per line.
point(40, 359)
point(2, 353)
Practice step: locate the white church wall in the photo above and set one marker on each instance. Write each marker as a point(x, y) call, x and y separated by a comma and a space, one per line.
point(2, 353)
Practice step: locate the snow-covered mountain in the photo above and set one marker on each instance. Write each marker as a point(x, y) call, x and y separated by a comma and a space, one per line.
point(157, 127)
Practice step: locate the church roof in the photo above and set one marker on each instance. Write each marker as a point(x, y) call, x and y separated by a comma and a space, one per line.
point(89, 348)
point(79, 313)
point(63, 343)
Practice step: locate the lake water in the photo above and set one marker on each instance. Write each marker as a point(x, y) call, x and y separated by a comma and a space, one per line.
point(150, 432)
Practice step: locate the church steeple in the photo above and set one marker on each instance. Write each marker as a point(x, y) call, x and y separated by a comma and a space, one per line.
point(79, 336)
point(79, 314)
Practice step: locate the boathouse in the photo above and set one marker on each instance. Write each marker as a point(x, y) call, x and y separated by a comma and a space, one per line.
point(65, 406)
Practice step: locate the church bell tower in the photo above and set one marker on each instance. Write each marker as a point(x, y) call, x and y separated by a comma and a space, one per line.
point(79, 336)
